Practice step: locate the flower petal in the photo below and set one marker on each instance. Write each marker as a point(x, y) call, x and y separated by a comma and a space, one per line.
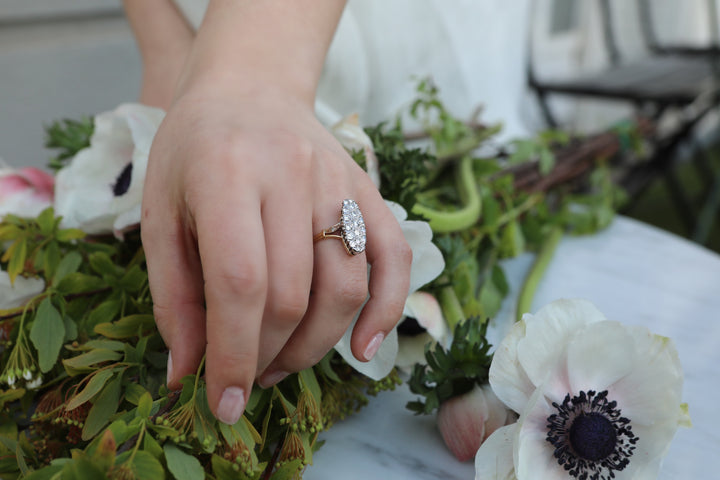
point(21, 292)
point(533, 454)
point(653, 389)
point(653, 443)
point(507, 377)
point(494, 458)
point(411, 350)
point(383, 361)
point(546, 334)
point(598, 356)
point(425, 308)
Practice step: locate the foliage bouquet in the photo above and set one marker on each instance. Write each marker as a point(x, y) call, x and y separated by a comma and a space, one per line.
point(83, 367)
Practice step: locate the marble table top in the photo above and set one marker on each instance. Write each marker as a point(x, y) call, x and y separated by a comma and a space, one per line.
point(633, 273)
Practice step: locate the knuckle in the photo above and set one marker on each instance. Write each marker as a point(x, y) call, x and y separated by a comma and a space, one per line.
point(288, 307)
point(247, 279)
point(402, 251)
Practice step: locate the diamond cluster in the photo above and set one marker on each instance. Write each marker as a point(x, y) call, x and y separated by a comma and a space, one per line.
point(353, 227)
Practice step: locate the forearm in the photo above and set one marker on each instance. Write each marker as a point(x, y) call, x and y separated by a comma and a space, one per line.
point(159, 28)
point(276, 44)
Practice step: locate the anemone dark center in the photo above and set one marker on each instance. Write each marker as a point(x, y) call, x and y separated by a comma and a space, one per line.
point(592, 436)
point(122, 183)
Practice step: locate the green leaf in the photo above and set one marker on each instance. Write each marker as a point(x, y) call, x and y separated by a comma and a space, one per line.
point(45, 473)
point(101, 264)
point(11, 396)
point(103, 408)
point(70, 329)
point(104, 455)
point(547, 161)
point(77, 282)
point(47, 334)
point(81, 469)
point(147, 467)
point(51, 259)
point(70, 234)
point(308, 380)
point(105, 312)
point(126, 327)
point(134, 392)
point(69, 264)
point(144, 406)
point(133, 280)
point(17, 259)
point(46, 221)
point(88, 362)
point(182, 465)
point(288, 471)
point(96, 383)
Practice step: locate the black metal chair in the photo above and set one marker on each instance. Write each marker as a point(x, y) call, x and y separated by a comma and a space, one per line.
point(655, 85)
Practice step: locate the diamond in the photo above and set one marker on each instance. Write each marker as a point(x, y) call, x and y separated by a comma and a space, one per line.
point(353, 227)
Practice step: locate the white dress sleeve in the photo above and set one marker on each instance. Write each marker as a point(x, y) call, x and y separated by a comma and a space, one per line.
point(382, 47)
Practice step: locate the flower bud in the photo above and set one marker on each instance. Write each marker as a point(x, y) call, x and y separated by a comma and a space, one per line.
point(466, 421)
point(351, 136)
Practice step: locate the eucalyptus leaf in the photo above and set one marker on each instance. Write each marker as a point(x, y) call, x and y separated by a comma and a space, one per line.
point(182, 465)
point(47, 334)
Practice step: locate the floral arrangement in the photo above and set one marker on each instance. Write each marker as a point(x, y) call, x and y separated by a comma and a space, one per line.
point(567, 394)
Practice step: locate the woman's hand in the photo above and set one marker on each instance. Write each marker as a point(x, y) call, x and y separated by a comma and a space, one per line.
point(241, 176)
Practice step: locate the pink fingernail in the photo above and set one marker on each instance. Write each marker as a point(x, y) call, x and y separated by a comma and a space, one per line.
point(373, 346)
point(169, 368)
point(232, 404)
point(272, 378)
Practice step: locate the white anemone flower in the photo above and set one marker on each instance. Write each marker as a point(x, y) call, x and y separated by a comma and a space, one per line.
point(352, 137)
point(100, 191)
point(597, 399)
point(429, 328)
point(427, 264)
point(20, 292)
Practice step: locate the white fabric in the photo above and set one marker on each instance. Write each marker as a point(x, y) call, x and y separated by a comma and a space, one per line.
point(474, 51)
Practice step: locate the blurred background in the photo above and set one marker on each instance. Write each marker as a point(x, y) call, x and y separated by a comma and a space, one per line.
point(579, 65)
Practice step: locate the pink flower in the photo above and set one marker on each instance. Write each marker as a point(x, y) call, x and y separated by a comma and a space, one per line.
point(25, 192)
point(466, 421)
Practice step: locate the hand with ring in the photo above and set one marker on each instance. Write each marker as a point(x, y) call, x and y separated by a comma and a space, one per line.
point(241, 179)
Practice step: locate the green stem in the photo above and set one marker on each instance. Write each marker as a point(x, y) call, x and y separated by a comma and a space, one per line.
point(545, 255)
point(463, 218)
point(451, 308)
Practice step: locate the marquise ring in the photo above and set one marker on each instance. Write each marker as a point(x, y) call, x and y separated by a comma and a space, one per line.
point(350, 229)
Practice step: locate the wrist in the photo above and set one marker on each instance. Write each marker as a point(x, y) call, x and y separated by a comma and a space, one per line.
point(271, 44)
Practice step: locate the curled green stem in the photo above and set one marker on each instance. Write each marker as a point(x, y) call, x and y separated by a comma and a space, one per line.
point(545, 255)
point(460, 219)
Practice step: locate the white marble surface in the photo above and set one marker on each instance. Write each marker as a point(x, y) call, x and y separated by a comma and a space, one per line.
point(633, 273)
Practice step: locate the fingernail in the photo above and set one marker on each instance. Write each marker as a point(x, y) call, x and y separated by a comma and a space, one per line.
point(169, 368)
point(373, 345)
point(232, 404)
point(272, 378)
